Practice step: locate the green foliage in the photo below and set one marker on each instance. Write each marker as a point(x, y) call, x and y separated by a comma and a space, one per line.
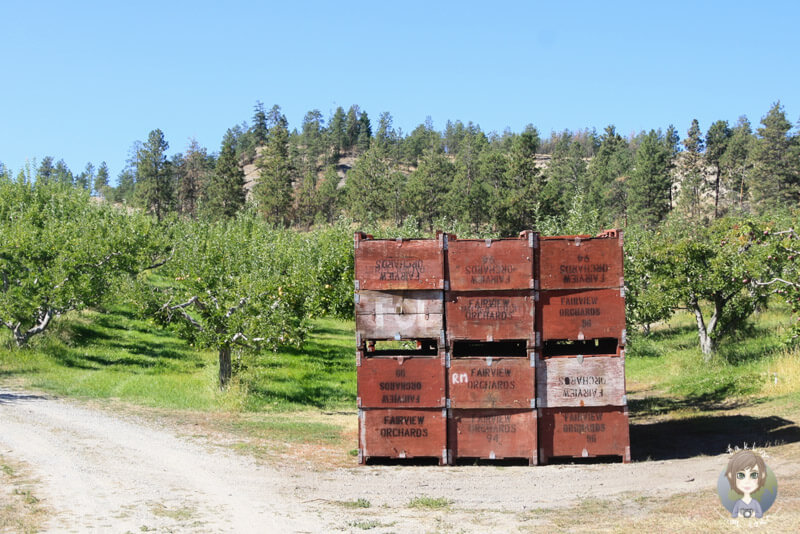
point(242, 284)
point(62, 252)
point(719, 265)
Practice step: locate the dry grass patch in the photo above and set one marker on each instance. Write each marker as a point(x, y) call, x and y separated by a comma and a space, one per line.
point(20, 509)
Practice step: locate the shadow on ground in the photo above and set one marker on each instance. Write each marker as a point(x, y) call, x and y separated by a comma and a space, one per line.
point(706, 434)
point(13, 398)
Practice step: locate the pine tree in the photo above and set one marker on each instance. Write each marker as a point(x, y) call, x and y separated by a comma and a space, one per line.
point(427, 187)
point(649, 182)
point(693, 178)
point(154, 186)
point(259, 128)
point(45, 171)
point(367, 188)
point(352, 127)
point(337, 136)
point(364, 132)
point(327, 196)
point(311, 140)
point(191, 178)
point(775, 178)
point(273, 192)
point(604, 185)
point(717, 139)
point(567, 169)
point(224, 193)
point(735, 162)
point(101, 181)
point(85, 179)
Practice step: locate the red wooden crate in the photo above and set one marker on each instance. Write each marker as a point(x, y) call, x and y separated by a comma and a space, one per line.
point(385, 264)
point(582, 314)
point(580, 381)
point(401, 382)
point(490, 315)
point(492, 434)
point(583, 433)
point(491, 264)
point(402, 433)
point(579, 262)
point(399, 315)
point(491, 382)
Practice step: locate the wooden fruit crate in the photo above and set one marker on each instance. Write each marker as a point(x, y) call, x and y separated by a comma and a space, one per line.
point(490, 315)
point(580, 381)
point(576, 314)
point(584, 433)
point(399, 315)
point(493, 435)
point(492, 382)
point(581, 262)
point(402, 433)
point(401, 382)
point(406, 264)
point(491, 264)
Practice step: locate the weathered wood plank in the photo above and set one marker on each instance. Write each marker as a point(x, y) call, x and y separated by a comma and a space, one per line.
point(493, 434)
point(582, 314)
point(386, 264)
point(400, 382)
point(583, 433)
point(580, 381)
point(403, 433)
point(491, 382)
point(580, 262)
point(490, 315)
point(491, 264)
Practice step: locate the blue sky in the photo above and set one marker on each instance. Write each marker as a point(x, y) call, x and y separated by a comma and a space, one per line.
point(84, 80)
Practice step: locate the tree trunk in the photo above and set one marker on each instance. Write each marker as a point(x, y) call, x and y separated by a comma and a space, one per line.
point(224, 366)
point(707, 343)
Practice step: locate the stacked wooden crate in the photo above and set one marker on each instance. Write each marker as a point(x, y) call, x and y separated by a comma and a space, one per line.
point(580, 369)
point(491, 349)
point(489, 317)
point(400, 347)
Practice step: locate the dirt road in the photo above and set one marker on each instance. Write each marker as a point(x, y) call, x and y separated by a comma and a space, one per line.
point(105, 474)
point(101, 472)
